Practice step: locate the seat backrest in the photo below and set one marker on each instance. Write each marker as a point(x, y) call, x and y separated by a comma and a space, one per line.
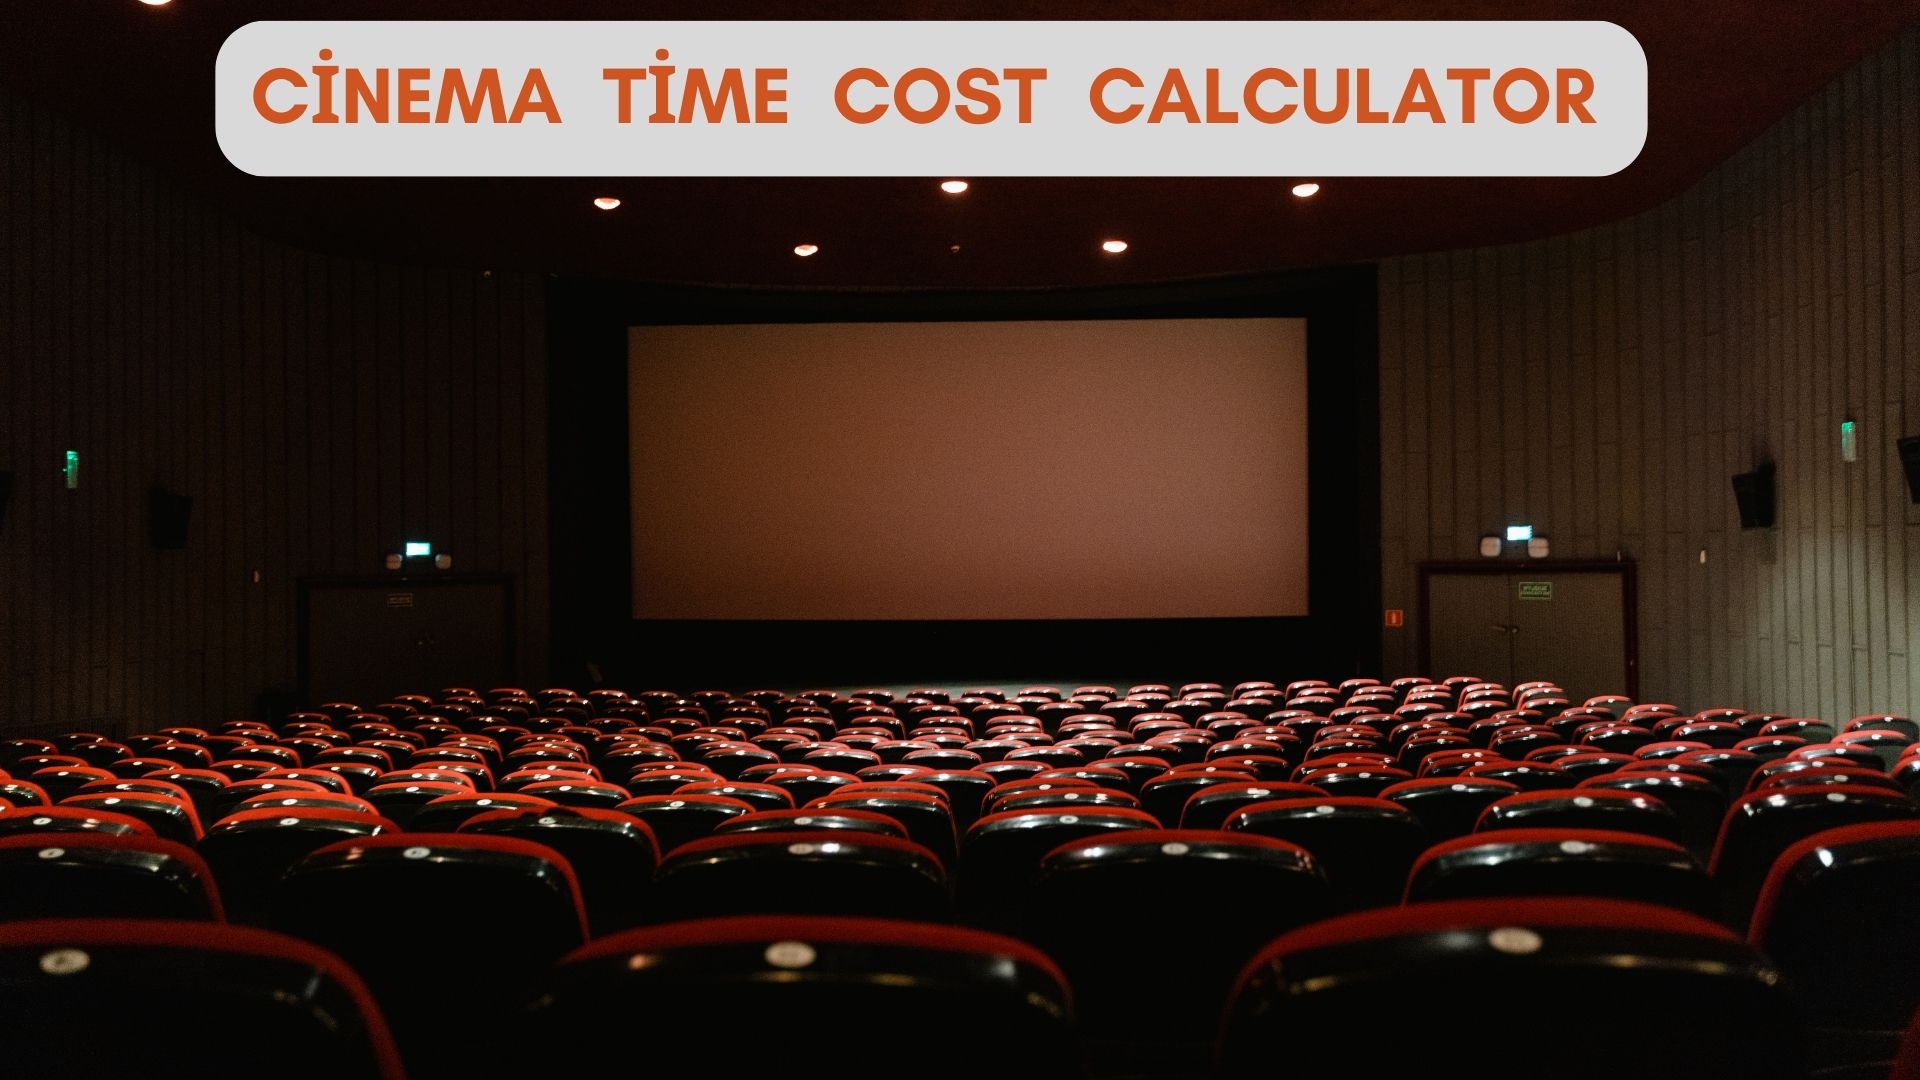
point(1591, 808)
point(342, 894)
point(840, 872)
point(1155, 998)
point(1563, 862)
point(1319, 992)
point(613, 855)
point(1365, 845)
point(1209, 807)
point(103, 875)
point(1000, 855)
point(446, 813)
point(812, 821)
point(1759, 827)
point(676, 819)
point(94, 999)
point(57, 819)
point(169, 816)
point(1448, 806)
point(1824, 915)
point(249, 850)
point(697, 980)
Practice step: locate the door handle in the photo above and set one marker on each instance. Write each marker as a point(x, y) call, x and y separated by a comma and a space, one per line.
point(1506, 628)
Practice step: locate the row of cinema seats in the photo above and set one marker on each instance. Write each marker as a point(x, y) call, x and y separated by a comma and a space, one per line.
point(523, 877)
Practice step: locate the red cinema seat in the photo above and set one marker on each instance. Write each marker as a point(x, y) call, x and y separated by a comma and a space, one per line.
point(1365, 845)
point(1317, 998)
point(1563, 862)
point(898, 984)
point(1830, 915)
point(170, 817)
point(613, 855)
point(1000, 855)
point(1762, 826)
point(425, 916)
point(106, 999)
point(839, 872)
point(448, 812)
point(1585, 808)
point(103, 875)
point(62, 819)
point(1148, 1005)
point(1448, 806)
point(248, 851)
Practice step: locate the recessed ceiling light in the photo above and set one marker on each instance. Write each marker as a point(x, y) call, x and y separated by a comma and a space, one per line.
point(1305, 190)
point(607, 202)
point(156, 3)
point(804, 250)
point(1114, 247)
point(953, 187)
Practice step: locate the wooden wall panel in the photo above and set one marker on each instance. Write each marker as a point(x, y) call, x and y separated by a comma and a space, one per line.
point(318, 410)
point(1621, 375)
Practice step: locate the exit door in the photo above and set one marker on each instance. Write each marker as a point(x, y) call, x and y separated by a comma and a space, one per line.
point(1571, 623)
point(367, 639)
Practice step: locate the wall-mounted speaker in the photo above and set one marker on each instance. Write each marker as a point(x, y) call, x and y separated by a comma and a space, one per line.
point(1909, 461)
point(168, 514)
point(1753, 491)
point(6, 496)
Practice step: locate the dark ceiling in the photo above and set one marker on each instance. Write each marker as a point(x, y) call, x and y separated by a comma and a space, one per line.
point(1720, 71)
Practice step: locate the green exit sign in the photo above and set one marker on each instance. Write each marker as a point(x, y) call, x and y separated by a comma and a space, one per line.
point(1536, 590)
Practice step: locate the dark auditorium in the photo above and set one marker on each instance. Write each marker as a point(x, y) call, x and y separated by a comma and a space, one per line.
point(1056, 541)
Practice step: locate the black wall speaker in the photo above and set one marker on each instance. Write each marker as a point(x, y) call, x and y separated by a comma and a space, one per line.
point(168, 514)
point(1909, 461)
point(6, 496)
point(1754, 492)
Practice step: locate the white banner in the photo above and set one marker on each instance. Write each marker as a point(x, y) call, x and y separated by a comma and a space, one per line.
point(1290, 99)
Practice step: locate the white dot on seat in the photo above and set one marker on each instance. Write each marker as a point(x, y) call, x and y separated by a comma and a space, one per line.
point(1070, 819)
point(416, 853)
point(1575, 847)
point(65, 961)
point(1174, 847)
point(801, 849)
point(289, 821)
point(1323, 809)
point(1515, 941)
point(790, 954)
point(1834, 796)
point(52, 852)
point(1583, 801)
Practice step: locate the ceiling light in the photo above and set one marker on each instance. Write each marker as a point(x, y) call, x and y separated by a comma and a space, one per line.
point(1114, 247)
point(607, 202)
point(953, 187)
point(804, 250)
point(156, 3)
point(1306, 190)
